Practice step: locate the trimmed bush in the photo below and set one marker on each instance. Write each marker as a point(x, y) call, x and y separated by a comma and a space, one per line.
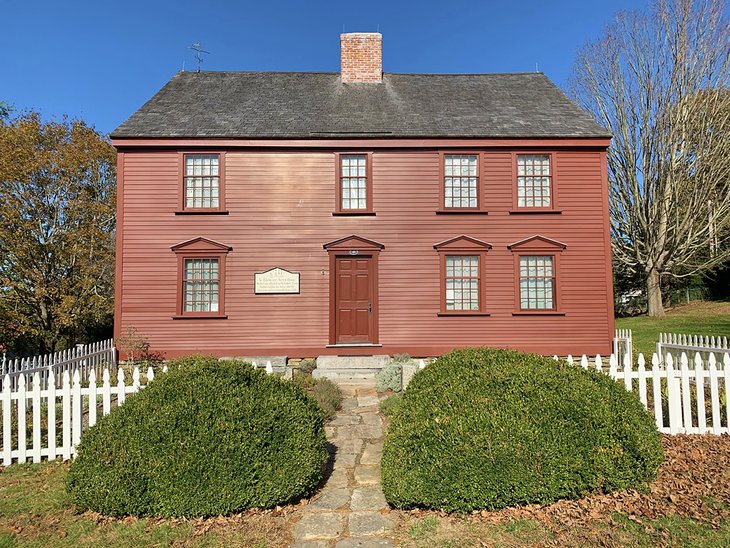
point(484, 429)
point(325, 392)
point(389, 405)
point(206, 438)
point(390, 377)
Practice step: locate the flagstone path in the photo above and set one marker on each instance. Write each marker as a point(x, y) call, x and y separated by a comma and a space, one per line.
point(350, 510)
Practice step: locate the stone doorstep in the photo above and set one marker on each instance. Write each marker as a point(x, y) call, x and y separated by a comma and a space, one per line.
point(345, 374)
point(277, 362)
point(353, 362)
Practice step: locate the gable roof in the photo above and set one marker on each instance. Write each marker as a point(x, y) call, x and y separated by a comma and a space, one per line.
point(313, 105)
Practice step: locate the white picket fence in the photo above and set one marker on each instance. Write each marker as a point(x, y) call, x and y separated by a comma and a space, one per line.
point(623, 343)
point(679, 392)
point(79, 408)
point(66, 411)
point(83, 358)
point(674, 344)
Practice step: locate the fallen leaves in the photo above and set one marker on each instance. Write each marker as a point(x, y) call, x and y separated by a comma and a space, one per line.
point(693, 482)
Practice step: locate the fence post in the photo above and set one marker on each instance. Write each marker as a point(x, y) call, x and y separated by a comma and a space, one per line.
point(92, 398)
point(51, 415)
point(630, 351)
point(675, 408)
point(8, 422)
point(106, 392)
point(77, 409)
point(22, 446)
point(612, 366)
point(599, 363)
point(36, 417)
point(135, 379)
point(715, 396)
point(686, 393)
point(642, 381)
point(726, 371)
point(627, 372)
point(121, 394)
point(700, 387)
point(656, 386)
point(66, 407)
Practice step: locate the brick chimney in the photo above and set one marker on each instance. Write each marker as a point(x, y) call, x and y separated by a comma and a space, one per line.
point(361, 57)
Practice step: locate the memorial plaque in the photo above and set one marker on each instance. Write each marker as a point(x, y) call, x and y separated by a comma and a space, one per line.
point(276, 281)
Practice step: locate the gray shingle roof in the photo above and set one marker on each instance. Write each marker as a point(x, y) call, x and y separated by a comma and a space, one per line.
point(316, 105)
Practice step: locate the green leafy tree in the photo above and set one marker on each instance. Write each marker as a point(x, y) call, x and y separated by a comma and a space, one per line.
point(57, 223)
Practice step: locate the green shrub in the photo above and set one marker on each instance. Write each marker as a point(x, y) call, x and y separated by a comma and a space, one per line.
point(482, 428)
point(389, 404)
point(206, 438)
point(307, 366)
point(390, 377)
point(327, 394)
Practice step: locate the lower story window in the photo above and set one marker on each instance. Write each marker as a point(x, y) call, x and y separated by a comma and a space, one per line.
point(537, 282)
point(201, 285)
point(462, 282)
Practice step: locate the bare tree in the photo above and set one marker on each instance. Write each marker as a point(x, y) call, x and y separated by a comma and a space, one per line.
point(659, 81)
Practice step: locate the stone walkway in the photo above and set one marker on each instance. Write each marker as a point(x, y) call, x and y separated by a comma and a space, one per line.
point(350, 510)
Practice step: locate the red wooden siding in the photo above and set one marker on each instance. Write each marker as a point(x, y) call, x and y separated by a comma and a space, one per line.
point(280, 205)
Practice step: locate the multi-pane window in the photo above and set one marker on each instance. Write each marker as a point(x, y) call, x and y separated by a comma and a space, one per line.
point(201, 285)
point(353, 182)
point(537, 282)
point(460, 181)
point(462, 282)
point(202, 181)
point(533, 180)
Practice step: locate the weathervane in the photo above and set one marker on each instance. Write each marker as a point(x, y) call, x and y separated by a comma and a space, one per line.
point(195, 46)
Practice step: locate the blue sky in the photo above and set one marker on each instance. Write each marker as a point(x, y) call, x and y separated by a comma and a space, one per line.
point(101, 60)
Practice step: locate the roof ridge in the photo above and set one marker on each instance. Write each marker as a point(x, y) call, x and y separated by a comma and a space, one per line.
point(525, 73)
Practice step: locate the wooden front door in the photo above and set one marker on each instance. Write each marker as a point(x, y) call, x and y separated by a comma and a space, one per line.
point(354, 299)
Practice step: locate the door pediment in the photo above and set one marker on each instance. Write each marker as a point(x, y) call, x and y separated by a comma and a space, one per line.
point(353, 242)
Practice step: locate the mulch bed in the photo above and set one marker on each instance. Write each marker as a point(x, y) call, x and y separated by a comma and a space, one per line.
point(693, 482)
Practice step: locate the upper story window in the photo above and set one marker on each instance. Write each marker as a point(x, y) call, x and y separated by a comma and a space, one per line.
point(460, 182)
point(534, 181)
point(354, 176)
point(202, 183)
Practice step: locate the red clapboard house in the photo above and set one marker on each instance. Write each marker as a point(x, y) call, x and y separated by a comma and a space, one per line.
point(362, 212)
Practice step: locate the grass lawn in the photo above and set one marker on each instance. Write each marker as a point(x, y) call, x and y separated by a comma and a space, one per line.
point(698, 318)
point(35, 511)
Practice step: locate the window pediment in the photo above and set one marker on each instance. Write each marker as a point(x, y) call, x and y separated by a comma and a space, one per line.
point(537, 243)
point(201, 244)
point(463, 243)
